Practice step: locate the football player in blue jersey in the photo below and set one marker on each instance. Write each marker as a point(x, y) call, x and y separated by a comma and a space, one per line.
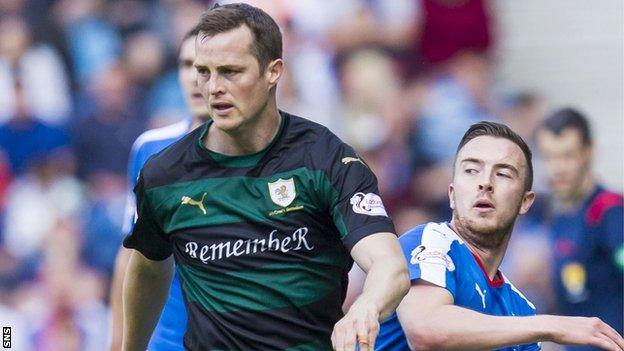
point(459, 300)
point(169, 332)
point(586, 223)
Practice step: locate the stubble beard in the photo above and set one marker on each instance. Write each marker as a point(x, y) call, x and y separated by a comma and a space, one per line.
point(486, 237)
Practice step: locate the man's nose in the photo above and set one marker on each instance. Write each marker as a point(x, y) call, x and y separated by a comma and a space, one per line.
point(215, 85)
point(486, 186)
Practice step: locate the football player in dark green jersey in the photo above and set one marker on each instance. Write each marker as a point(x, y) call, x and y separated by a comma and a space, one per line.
point(263, 212)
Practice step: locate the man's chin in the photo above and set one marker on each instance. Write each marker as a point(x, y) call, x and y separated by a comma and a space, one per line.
point(482, 225)
point(225, 124)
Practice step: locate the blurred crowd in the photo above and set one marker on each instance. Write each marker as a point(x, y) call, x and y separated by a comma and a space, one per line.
point(400, 80)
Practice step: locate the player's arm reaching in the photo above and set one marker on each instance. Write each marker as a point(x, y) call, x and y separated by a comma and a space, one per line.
point(145, 291)
point(432, 322)
point(368, 233)
point(379, 255)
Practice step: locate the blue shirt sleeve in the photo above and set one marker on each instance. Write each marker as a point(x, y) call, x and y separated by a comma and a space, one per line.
point(531, 347)
point(427, 254)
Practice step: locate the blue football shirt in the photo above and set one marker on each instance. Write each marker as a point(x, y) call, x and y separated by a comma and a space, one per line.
point(436, 254)
point(169, 332)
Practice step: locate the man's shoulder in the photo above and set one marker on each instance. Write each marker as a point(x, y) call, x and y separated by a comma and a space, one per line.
point(317, 145)
point(152, 139)
point(427, 248)
point(432, 234)
point(161, 165)
point(603, 201)
point(318, 136)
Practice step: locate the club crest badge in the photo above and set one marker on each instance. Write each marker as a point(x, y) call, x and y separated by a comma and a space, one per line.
point(282, 191)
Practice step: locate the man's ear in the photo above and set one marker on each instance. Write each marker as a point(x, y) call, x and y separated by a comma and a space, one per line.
point(451, 195)
point(527, 201)
point(274, 71)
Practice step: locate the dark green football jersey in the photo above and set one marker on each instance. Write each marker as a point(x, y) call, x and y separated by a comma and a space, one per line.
point(261, 241)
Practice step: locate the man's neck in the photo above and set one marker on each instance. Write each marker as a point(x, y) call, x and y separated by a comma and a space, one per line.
point(490, 247)
point(586, 188)
point(249, 139)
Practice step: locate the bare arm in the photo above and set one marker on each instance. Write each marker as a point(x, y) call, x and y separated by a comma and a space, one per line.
point(121, 263)
point(386, 283)
point(145, 290)
point(380, 256)
point(432, 322)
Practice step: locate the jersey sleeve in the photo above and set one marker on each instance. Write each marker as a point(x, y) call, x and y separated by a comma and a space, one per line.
point(352, 196)
point(427, 253)
point(147, 236)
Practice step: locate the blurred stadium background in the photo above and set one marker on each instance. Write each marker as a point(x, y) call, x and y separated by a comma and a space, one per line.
point(400, 80)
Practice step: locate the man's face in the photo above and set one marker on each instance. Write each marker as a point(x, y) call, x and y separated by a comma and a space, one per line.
point(188, 79)
point(487, 192)
point(567, 161)
point(230, 78)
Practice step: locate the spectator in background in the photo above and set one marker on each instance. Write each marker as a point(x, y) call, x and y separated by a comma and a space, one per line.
point(144, 59)
point(94, 44)
point(36, 202)
point(173, 19)
point(586, 224)
point(25, 139)
point(458, 96)
point(39, 70)
point(103, 141)
point(67, 297)
point(376, 122)
point(448, 27)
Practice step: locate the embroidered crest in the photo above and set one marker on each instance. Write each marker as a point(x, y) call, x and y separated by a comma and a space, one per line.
point(282, 191)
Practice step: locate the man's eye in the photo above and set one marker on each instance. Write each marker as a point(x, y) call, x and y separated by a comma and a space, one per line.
point(470, 171)
point(505, 175)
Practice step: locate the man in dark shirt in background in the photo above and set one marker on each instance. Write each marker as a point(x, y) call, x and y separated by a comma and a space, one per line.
point(586, 225)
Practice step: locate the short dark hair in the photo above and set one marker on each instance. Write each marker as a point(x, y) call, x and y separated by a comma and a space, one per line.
point(499, 130)
point(267, 38)
point(565, 118)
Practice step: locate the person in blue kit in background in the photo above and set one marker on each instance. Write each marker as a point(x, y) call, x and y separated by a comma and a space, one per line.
point(459, 300)
point(169, 333)
point(586, 222)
